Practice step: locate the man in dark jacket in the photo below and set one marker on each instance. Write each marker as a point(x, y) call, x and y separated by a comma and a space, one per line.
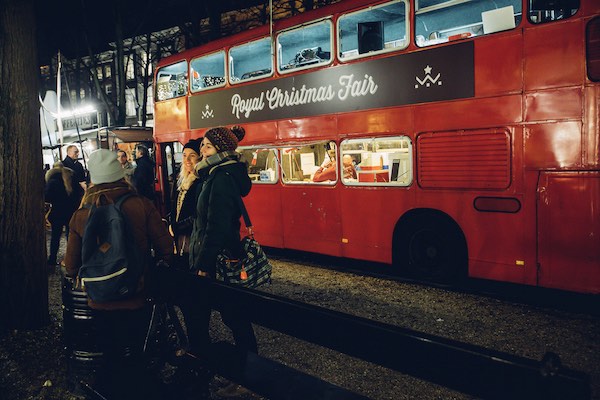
point(72, 161)
point(143, 174)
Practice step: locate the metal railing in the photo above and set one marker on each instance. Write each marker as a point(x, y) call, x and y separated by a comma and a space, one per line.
point(468, 368)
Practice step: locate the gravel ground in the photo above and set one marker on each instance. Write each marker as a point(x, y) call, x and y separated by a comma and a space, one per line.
point(31, 359)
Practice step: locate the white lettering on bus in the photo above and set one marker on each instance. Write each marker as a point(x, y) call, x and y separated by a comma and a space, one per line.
point(353, 88)
point(278, 98)
point(246, 106)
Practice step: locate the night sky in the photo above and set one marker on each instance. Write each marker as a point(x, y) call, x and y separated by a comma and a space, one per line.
point(64, 24)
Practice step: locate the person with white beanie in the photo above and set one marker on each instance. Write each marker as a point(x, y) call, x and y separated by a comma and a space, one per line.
point(121, 324)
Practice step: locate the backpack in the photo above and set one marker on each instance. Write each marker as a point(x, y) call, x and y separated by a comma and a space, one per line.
point(112, 264)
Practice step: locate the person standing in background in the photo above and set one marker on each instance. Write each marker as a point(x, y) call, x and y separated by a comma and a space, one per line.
point(125, 164)
point(143, 174)
point(72, 161)
point(59, 192)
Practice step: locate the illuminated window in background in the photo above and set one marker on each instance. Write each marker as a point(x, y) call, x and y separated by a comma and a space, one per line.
point(373, 30)
point(305, 47)
point(107, 71)
point(385, 161)
point(251, 61)
point(99, 73)
point(314, 163)
point(262, 164)
point(171, 81)
point(131, 104)
point(440, 21)
point(541, 11)
point(208, 71)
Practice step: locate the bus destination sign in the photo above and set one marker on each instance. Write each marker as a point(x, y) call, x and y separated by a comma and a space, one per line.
point(445, 73)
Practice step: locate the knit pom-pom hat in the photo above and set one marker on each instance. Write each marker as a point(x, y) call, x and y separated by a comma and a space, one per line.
point(225, 139)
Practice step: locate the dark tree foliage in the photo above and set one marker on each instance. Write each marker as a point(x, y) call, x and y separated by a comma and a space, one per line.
point(23, 277)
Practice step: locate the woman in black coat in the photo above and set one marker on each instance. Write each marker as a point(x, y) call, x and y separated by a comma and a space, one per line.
point(217, 222)
point(59, 192)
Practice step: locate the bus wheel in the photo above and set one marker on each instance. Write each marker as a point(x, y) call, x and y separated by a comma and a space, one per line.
point(430, 246)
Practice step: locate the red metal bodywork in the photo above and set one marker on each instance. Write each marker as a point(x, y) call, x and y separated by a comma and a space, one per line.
point(531, 83)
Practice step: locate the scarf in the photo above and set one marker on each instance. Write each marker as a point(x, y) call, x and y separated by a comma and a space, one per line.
point(183, 189)
point(215, 159)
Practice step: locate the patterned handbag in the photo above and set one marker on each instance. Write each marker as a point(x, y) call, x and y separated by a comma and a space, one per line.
point(254, 269)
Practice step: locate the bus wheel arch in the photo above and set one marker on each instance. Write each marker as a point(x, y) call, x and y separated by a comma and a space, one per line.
point(428, 244)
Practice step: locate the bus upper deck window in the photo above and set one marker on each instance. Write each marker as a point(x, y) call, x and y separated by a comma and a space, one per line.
point(439, 21)
point(208, 71)
point(541, 11)
point(245, 65)
point(373, 30)
point(304, 47)
point(171, 81)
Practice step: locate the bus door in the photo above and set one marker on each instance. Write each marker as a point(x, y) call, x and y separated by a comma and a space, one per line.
point(569, 231)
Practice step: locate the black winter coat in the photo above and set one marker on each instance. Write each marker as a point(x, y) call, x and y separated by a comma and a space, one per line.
point(143, 177)
point(63, 204)
point(217, 223)
point(183, 225)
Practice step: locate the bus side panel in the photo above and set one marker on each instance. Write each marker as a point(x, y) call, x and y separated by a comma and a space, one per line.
point(322, 127)
point(260, 132)
point(502, 245)
point(591, 136)
point(498, 62)
point(264, 208)
point(554, 104)
point(468, 114)
point(392, 120)
point(553, 145)
point(170, 116)
point(311, 219)
point(553, 54)
point(370, 215)
point(569, 231)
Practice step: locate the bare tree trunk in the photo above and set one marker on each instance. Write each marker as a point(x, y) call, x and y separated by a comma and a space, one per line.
point(121, 66)
point(146, 78)
point(23, 276)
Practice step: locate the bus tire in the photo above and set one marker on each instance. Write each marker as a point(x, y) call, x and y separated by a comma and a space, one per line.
point(429, 245)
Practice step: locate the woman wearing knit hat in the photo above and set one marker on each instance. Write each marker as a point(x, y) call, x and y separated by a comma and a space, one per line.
point(217, 222)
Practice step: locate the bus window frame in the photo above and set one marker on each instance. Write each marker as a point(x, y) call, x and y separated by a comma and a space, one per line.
point(309, 182)
point(229, 61)
point(277, 163)
point(191, 71)
point(469, 28)
point(186, 71)
point(389, 183)
point(278, 56)
point(530, 11)
point(406, 39)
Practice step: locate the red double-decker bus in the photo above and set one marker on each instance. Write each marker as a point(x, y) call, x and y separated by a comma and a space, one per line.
point(446, 138)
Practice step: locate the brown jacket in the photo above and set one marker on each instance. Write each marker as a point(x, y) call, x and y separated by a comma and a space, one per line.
point(148, 230)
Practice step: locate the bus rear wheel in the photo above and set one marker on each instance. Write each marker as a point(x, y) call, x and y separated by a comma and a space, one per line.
point(430, 246)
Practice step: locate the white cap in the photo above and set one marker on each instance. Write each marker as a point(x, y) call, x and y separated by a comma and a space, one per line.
point(104, 167)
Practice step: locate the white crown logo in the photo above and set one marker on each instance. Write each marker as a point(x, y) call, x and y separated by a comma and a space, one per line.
point(428, 80)
point(208, 113)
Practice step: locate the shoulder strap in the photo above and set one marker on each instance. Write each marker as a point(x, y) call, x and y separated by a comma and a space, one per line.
point(122, 199)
